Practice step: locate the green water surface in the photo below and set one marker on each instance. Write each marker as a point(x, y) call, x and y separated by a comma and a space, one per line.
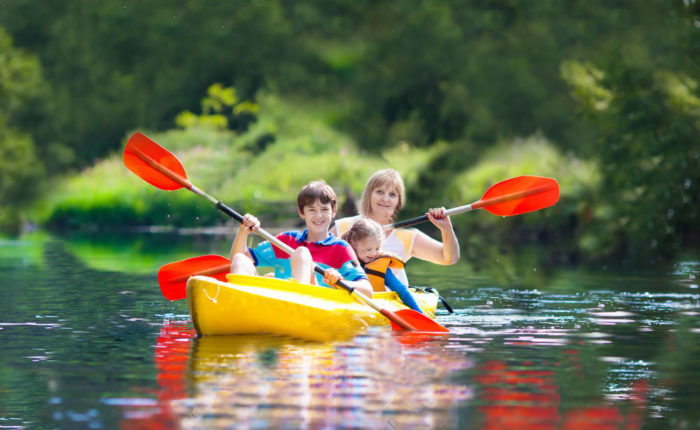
point(89, 342)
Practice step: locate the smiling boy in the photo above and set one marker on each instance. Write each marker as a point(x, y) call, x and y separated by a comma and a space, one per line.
point(317, 206)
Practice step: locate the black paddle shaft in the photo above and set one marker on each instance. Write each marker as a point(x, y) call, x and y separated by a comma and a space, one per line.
point(228, 211)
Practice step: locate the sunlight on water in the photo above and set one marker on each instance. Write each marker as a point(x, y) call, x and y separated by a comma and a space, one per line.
point(502, 367)
point(377, 380)
point(84, 348)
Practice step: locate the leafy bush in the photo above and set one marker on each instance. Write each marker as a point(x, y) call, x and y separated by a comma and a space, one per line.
point(229, 166)
point(21, 170)
point(648, 205)
point(562, 227)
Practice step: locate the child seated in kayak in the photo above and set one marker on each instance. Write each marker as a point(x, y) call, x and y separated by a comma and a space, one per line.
point(317, 206)
point(366, 237)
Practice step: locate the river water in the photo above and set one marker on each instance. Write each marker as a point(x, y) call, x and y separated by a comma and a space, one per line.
point(89, 342)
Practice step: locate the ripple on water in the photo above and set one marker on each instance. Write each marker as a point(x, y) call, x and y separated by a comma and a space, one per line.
point(575, 354)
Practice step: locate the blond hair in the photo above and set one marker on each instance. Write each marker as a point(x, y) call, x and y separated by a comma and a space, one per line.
point(386, 177)
point(362, 229)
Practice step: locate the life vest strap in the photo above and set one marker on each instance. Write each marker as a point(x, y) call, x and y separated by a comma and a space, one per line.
point(375, 273)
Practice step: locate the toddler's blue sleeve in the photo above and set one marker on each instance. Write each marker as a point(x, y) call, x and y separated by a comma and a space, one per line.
point(394, 284)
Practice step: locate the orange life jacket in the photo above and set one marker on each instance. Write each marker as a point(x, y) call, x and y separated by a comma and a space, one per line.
point(376, 269)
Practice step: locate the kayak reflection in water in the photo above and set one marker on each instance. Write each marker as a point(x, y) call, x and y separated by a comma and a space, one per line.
point(317, 206)
point(372, 381)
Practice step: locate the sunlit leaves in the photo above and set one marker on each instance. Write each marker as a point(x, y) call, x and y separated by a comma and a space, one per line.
point(648, 133)
point(221, 109)
point(585, 79)
point(681, 90)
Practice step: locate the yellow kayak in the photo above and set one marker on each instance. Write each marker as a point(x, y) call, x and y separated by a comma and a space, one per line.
point(256, 304)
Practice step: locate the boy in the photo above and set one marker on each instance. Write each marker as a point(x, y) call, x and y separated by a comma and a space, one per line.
point(317, 206)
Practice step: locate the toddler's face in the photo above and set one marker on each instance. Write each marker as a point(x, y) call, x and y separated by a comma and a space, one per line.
point(367, 249)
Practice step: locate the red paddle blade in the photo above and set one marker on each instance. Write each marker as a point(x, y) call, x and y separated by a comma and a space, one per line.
point(147, 159)
point(173, 277)
point(419, 321)
point(519, 195)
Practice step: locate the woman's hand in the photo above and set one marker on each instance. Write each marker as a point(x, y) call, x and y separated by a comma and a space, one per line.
point(439, 220)
point(331, 276)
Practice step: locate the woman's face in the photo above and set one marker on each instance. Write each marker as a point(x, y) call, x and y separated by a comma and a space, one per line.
point(367, 249)
point(383, 203)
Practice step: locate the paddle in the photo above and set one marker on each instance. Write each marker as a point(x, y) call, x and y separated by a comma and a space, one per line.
point(510, 197)
point(513, 196)
point(173, 277)
point(160, 168)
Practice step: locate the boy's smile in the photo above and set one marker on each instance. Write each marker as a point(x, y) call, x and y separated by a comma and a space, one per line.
point(318, 217)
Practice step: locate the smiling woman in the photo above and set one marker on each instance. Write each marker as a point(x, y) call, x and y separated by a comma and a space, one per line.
point(382, 198)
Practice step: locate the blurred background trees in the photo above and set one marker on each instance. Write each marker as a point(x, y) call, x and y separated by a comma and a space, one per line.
point(602, 95)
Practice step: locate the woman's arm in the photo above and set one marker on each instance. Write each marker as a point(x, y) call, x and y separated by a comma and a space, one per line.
point(429, 249)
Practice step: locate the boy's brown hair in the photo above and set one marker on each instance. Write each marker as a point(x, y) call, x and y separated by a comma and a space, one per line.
point(316, 191)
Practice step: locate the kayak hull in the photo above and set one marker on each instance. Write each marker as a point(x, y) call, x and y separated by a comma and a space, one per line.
point(255, 304)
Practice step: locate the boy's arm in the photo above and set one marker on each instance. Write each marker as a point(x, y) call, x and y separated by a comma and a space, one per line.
point(248, 225)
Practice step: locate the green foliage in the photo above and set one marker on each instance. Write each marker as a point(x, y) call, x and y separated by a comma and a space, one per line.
point(584, 80)
point(110, 196)
point(561, 227)
point(650, 163)
point(221, 109)
point(21, 171)
point(532, 156)
point(21, 79)
point(417, 71)
point(114, 66)
point(235, 168)
point(435, 89)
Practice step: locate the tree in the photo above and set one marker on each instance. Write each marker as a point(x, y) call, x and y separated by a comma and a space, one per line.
point(648, 122)
point(21, 171)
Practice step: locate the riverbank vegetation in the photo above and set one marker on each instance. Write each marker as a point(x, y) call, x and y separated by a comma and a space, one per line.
point(258, 98)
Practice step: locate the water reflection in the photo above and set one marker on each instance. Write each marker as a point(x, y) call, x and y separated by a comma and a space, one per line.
point(525, 379)
point(378, 380)
point(528, 395)
point(89, 348)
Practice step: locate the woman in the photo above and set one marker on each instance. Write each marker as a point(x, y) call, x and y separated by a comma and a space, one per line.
point(382, 199)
